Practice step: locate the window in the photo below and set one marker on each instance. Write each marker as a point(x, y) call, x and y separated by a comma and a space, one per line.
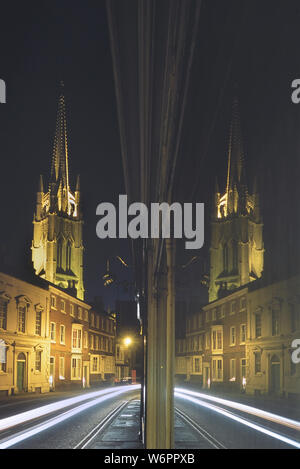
point(235, 255)
point(38, 360)
point(194, 323)
point(86, 315)
point(71, 310)
point(243, 303)
point(232, 335)
point(293, 316)
point(258, 325)
point(95, 364)
point(243, 333)
point(217, 340)
point(233, 369)
point(257, 362)
point(38, 322)
point(61, 367)
point(225, 258)
point(243, 368)
point(222, 312)
point(76, 368)
point(96, 342)
point(85, 339)
point(207, 345)
point(69, 255)
point(214, 314)
point(217, 369)
point(197, 365)
point(21, 318)
point(3, 356)
point(233, 307)
point(92, 320)
point(3, 314)
point(62, 334)
point(275, 322)
point(63, 306)
point(76, 338)
point(79, 312)
point(207, 316)
point(59, 253)
point(53, 301)
point(52, 331)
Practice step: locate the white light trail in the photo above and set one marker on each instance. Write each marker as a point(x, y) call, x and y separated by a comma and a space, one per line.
point(245, 408)
point(232, 416)
point(49, 408)
point(10, 441)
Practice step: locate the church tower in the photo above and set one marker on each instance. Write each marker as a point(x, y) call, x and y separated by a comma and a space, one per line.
point(237, 249)
point(57, 249)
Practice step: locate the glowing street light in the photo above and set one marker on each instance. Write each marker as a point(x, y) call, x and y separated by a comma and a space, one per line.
point(127, 341)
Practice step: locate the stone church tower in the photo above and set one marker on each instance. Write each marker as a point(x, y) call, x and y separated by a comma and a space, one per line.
point(237, 249)
point(57, 249)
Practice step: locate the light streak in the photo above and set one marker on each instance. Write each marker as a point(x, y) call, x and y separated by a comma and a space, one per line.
point(232, 416)
point(55, 420)
point(49, 408)
point(245, 408)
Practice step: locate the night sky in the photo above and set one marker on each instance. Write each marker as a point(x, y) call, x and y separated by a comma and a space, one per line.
point(254, 45)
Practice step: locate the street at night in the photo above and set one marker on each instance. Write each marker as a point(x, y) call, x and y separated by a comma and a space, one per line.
point(114, 422)
point(150, 226)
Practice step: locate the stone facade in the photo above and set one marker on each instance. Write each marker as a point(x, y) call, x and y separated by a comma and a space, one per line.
point(273, 323)
point(24, 335)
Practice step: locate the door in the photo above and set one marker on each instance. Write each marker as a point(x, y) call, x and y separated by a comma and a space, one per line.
point(52, 372)
point(85, 381)
point(21, 360)
point(275, 375)
point(206, 377)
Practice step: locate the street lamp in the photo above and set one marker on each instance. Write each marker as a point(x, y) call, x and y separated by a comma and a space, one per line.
point(127, 341)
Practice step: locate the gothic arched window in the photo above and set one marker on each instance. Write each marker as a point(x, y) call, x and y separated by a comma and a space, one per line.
point(225, 258)
point(59, 252)
point(234, 255)
point(68, 257)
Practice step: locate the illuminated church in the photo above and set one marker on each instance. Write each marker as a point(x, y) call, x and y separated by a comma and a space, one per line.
point(237, 248)
point(57, 248)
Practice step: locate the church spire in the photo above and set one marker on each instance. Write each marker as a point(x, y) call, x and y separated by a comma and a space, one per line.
point(236, 186)
point(60, 164)
point(57, 247)
point(236, 167)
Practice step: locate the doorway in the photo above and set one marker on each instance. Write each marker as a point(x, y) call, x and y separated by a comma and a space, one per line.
point(21, 364)
point(275, 375)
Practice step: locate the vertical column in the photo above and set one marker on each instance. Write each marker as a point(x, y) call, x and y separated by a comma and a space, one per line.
point(170, 342)
point(161, 351)
point(151, 375)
